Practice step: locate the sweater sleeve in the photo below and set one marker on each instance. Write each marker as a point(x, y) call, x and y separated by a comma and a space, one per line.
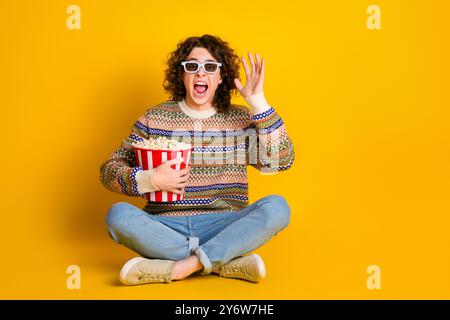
point(269, 149)
point(120, 173)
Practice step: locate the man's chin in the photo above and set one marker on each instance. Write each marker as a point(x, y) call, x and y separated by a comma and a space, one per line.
point(199, 101)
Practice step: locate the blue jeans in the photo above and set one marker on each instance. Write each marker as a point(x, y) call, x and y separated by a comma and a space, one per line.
point(215, 238)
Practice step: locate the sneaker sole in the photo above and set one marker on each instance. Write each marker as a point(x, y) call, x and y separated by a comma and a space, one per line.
point(127, 267)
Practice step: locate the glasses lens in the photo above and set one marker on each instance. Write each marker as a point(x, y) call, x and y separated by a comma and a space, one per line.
point(210, 67)
point(191, 66)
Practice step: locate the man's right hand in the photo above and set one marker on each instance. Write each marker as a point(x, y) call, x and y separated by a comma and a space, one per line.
point(167, 179)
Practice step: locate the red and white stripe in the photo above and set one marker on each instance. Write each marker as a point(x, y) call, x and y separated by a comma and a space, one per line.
point(149, 159)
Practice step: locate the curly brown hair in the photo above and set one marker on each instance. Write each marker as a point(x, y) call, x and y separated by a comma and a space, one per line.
point(220, 50)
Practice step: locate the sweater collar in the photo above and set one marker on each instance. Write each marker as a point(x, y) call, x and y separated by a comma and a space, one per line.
point(195, 113)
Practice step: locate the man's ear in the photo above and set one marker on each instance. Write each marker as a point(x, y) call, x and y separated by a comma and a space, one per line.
point(220, 80)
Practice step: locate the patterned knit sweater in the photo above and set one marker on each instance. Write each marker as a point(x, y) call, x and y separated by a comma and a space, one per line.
point(225, 143)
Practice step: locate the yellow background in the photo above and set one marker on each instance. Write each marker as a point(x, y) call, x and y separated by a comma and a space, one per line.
point(367, 110)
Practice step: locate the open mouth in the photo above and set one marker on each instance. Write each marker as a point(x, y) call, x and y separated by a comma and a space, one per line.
point(200, 89)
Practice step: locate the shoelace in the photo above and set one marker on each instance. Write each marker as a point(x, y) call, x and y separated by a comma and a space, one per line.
point(236, 269)
point(152, 274)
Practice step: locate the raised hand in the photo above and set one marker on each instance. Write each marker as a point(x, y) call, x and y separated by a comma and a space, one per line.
point(254, 77)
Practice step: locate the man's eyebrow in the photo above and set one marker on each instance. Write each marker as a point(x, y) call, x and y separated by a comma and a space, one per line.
point(209, 60)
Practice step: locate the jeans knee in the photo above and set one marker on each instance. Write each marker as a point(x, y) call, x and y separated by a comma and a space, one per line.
point(280, 212)
point(117, 220)
point(117, 214)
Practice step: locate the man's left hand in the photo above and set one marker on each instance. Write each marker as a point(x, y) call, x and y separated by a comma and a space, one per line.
point(254, 77)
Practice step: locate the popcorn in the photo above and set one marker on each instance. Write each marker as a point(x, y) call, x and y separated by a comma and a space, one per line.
point(162, 143)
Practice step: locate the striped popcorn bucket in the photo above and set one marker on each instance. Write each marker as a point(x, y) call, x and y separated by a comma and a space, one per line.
point(149, 159)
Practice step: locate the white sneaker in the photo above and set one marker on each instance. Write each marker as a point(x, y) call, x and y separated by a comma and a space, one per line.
point(141, 270)
point(249, 268)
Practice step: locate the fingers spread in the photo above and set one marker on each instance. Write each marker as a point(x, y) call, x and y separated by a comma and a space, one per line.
point(258, 63)
point(250, 56)
point(246, 69)
point(238, 84)
point(262, 68)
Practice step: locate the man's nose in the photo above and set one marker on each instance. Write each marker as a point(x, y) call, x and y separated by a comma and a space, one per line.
point(201, 71)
